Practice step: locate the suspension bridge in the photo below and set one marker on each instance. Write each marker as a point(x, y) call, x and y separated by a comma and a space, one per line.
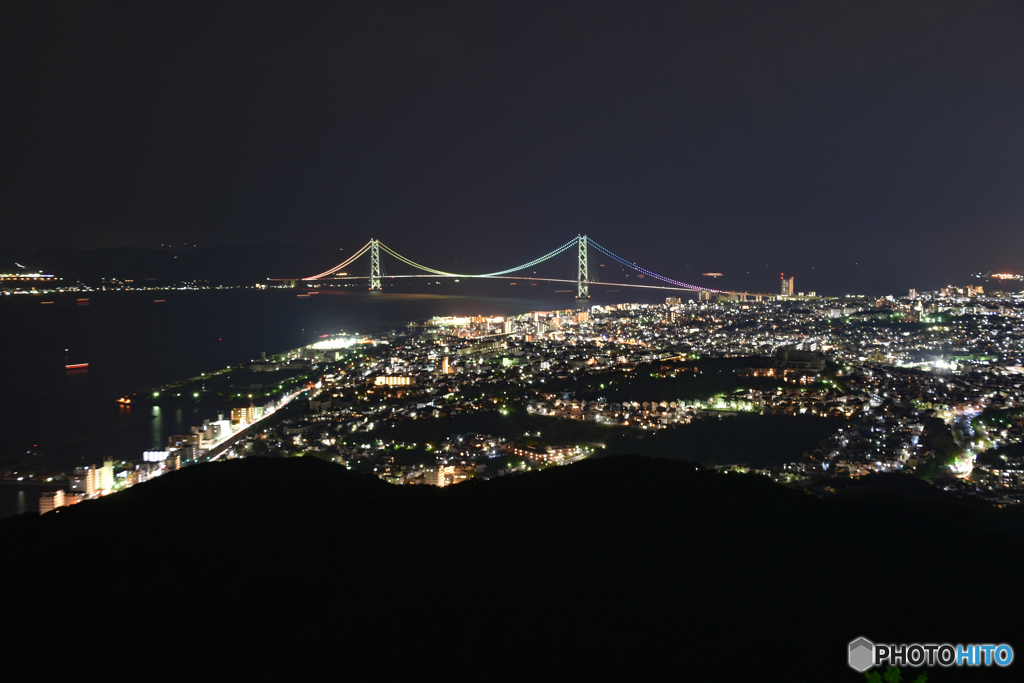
point(583, 279)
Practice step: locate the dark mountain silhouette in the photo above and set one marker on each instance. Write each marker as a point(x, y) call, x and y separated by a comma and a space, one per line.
point(623, 565)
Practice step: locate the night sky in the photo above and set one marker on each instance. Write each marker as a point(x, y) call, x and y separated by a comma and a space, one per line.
point(859, 146)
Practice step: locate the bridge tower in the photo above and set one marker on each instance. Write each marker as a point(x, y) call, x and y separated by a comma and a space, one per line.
point(374, 265)
point(583, 272)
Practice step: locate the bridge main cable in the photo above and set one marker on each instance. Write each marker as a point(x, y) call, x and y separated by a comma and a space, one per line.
point(637, 268)
point(338, 267)
point(574, 241)
point(550, 254)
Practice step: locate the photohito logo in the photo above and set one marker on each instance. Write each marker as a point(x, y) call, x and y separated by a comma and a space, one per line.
point(863, 654)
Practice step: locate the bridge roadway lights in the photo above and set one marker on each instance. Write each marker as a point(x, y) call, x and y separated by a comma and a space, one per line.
point(583, 279)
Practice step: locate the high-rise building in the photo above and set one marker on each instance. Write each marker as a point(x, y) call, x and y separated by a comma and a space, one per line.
point(50, 500)
point(787, 286)
point(506, 326)
point(105, 478)
point(91, 481)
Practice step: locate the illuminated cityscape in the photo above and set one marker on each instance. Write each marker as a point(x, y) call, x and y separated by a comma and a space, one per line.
point(927, 383)
point(360, 335)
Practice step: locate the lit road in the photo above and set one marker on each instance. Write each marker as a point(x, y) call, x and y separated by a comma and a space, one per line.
point(218, 448)
point(576, 458)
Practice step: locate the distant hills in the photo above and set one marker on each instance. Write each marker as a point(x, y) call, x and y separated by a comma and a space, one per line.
point(225, 265)
point(618, 564)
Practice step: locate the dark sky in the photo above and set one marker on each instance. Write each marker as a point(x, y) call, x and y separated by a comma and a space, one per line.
point(860, 146)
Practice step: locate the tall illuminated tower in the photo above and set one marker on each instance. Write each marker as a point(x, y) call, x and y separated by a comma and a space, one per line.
point(787, 285)
point(583, 272)
point(374, 265)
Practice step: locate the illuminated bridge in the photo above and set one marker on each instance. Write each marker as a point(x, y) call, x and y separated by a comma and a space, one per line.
point(583, 281)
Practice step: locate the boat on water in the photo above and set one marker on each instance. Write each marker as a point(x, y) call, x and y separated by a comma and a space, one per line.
point(68, 365)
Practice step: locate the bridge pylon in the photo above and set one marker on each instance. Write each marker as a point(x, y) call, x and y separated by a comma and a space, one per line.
point(374, 265)
point(583, 271)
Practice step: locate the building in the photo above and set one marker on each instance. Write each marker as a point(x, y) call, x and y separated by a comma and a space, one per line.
point(92, 486)
point(792, 357)
point(787, 286)
point(105, 476)
point(244, 415)
point(77, 479)
point(187, 442)
point(392, 381)
point(50, 500)
point(438, 475)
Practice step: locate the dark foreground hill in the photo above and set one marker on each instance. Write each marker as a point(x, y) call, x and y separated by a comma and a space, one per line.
point(623, 566)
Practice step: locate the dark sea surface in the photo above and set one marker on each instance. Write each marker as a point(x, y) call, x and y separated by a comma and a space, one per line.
point(133, 343)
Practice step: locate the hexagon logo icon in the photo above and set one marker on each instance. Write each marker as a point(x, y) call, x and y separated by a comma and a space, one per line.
point(862, 654)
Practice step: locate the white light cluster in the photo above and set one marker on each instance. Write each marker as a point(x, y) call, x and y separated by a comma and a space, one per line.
point(335, 343)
